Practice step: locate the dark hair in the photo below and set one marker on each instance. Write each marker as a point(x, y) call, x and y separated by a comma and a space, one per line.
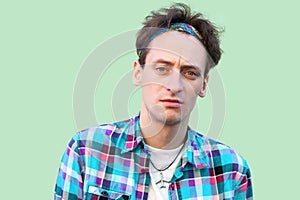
point(180, 12)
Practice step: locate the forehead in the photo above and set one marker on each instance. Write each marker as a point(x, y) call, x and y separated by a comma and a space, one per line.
point(173, 45)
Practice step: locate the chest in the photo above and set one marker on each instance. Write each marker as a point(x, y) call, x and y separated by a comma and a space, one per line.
point(128, 177)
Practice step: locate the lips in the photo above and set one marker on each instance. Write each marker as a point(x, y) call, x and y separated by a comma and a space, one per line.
point(169, 102)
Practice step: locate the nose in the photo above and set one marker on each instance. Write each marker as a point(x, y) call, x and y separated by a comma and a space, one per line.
point(174, 82)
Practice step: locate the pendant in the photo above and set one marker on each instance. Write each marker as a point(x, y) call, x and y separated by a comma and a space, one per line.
point(162, 181)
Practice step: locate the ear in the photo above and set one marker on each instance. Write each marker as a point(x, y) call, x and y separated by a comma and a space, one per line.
point(202, 92)
point(137, 73)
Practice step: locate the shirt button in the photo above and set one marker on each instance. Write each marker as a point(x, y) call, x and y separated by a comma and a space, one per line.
point(104, 193)
point(172, 186)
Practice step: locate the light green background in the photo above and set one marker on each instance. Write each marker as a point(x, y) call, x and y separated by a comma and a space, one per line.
point(43, 45)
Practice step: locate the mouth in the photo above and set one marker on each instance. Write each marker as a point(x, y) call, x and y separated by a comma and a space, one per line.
point(173, 103)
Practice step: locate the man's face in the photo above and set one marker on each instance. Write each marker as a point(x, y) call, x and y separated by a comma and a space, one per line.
point(172, 77)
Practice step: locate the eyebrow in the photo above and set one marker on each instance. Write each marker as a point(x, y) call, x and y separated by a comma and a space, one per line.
point(172, 63)
point(163, 62)
point(183, 67)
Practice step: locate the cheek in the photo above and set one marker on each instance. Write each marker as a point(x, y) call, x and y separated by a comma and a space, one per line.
point(193, 89)
point(149, 92)
point(153, 81)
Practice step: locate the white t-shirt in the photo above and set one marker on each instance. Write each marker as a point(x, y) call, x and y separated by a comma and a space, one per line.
point(161, 159)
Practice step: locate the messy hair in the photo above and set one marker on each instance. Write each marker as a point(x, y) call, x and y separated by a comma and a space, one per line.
point(180, 13)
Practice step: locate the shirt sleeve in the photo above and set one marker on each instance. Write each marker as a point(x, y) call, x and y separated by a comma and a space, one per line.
point(69, 184)
point(243, 189)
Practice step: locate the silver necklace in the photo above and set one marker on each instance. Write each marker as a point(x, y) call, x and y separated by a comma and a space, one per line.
point(162, 181)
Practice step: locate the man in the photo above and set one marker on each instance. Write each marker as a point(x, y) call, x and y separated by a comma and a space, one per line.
point(155, 155)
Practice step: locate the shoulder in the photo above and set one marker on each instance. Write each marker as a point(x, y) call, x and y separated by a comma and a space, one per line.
point(222, 156)
point(101, 134)
point(228, 169)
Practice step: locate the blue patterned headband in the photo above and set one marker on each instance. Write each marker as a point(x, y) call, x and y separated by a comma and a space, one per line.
point(182, 27)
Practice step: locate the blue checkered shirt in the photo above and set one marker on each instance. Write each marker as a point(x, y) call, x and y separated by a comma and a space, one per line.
point(111, 161)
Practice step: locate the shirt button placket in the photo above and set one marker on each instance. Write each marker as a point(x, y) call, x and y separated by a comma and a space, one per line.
point(172, 192)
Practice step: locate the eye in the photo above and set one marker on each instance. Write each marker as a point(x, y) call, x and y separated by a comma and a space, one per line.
point(161, 69)
point(191, 74)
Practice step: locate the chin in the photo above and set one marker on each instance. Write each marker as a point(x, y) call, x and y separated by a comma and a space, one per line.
point(169, 117)
point(173, 119)
point(172, 122)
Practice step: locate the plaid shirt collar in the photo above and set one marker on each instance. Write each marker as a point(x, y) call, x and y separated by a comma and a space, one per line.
point(196, 153)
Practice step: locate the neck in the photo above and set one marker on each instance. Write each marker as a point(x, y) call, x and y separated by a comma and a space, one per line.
point(162, 136)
